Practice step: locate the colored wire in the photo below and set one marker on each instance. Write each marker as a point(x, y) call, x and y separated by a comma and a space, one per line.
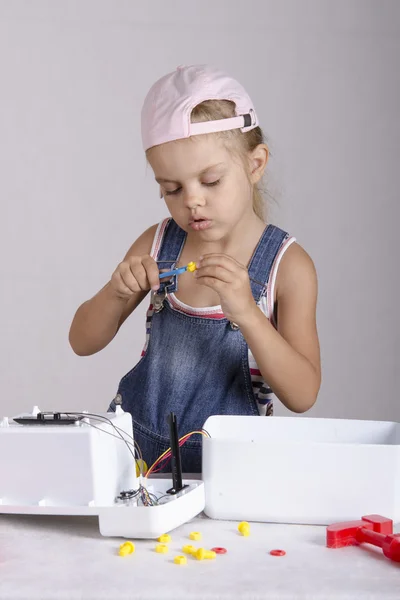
point(167, 454)
point(147, 498)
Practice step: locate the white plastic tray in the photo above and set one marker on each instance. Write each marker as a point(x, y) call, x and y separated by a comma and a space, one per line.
point(301, 470)
point(80, 470)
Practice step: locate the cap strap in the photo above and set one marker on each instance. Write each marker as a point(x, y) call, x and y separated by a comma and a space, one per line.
point(221, 125)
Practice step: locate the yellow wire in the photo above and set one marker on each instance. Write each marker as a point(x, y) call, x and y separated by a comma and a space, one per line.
point(169, 449)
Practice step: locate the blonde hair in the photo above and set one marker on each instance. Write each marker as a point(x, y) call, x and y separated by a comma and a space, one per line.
point(237, 141)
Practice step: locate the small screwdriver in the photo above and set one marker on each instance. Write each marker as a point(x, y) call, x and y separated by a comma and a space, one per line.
point(189, 267)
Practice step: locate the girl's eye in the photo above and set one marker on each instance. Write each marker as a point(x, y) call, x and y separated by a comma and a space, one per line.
point(173, 192)
point(177, 190)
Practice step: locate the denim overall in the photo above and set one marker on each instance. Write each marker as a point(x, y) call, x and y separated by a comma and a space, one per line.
point(193, 366)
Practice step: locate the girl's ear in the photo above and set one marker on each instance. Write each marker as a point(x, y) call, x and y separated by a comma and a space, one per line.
point(258, 159)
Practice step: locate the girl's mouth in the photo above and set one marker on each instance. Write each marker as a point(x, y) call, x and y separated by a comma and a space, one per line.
point(200, 224)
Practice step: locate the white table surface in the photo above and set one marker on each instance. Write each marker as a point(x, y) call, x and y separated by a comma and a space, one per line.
point(46, 557)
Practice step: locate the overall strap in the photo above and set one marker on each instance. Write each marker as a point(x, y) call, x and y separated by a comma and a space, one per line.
point(263, 259)
point(171, 248)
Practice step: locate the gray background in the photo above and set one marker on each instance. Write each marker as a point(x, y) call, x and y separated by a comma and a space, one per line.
point(75, 190)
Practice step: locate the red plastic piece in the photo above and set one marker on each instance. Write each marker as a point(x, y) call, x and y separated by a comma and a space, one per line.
point(278, 552)
point(371, 529)
point(219, 550)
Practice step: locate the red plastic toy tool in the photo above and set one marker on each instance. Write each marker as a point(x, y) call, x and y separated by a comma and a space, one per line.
point(372, 529)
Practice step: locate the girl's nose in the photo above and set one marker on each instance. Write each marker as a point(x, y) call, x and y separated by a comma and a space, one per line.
point(193, 201)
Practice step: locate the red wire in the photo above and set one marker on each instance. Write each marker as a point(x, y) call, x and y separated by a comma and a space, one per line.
point(158, 465)
point(165, 458)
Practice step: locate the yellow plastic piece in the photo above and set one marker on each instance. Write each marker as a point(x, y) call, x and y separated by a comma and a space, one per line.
point(126, 548)
point(180, 560)
point(195, 535)
point(141, 467)
point(202, 554)
point(191, 267)
point(162, 548)
point(244, 528)
point(165, 538)
point(188, 549)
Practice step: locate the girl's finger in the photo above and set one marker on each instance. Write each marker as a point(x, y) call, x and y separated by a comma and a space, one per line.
point(215, 271)
point(121, 285)
point(220, 259)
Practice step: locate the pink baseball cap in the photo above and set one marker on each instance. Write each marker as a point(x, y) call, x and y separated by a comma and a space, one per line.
point(168, 105)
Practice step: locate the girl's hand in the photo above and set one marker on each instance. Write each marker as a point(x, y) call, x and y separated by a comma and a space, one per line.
point(231, 281)
point(135, 274)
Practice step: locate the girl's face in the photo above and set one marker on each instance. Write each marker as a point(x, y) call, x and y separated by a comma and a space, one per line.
point(204, 186)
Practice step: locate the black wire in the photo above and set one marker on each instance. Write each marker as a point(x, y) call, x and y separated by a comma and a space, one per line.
point(115, 436)
point(142, 490)
point(163, 496)
point(146, 497)
point(118, 429)
point(134, 442)
point(129, 494)
point(103, 419)
point(99, 418)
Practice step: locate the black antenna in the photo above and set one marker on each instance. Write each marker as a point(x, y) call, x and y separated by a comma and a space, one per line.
point(176, 466)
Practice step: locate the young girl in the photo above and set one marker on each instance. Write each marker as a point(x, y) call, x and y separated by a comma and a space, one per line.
point(223, 339)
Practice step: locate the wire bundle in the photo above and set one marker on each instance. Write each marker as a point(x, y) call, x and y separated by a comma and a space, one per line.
point(165, 457)
point(146, 497)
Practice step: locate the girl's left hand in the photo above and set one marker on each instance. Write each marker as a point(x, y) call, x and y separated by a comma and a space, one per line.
point(230, 280)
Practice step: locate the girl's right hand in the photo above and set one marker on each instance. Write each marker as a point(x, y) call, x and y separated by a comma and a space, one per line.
point(135, 274)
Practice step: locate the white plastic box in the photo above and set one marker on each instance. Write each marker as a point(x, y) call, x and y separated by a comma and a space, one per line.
point(81, 470)
point(301, 470)
point(65, 467)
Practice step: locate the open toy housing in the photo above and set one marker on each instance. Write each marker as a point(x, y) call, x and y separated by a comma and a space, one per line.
point(300, 470)
point(80, 466)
